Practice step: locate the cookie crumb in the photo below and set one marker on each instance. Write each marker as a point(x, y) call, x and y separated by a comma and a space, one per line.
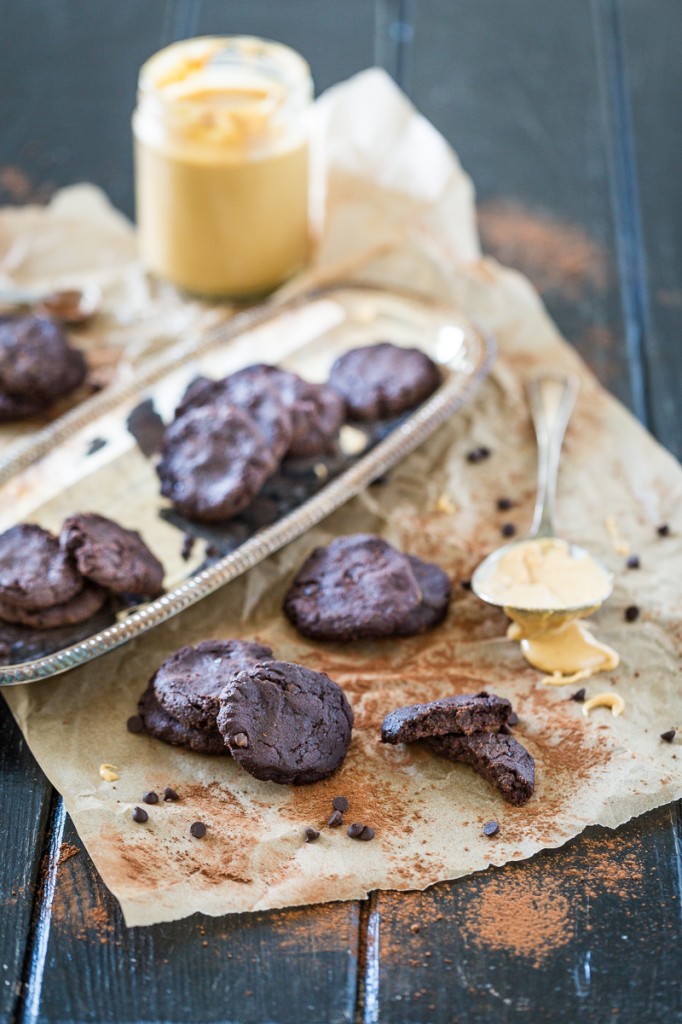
point(579, 695)
point(188, 542)
point(478, 454)
point(508, 530)
point(633, 562)
point(663, 530)
point(108, 772)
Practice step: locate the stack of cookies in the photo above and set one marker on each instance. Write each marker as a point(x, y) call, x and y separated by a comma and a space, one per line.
point(473, 729)
point(48, 582)
point(37, 366)
point(281, 722)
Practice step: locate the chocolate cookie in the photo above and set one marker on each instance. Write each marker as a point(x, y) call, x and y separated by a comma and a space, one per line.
point(467, 713)
point(285, 723)
point(256, 396)
point(436, 590)
point(163, 726)
point(189, 683)
point(83, 606)
point(213, 462)
point(13, 408)
point(37, 363)
point(112, 556)
point(34, 572)
point(359, 587)
point(498, 758)
point(317, 411)
point(383, 380)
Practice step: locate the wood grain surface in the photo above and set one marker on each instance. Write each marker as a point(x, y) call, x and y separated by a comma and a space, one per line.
point(567, 116)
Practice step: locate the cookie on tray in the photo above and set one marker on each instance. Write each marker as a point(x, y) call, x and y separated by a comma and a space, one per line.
point(162, 726)
point(496, 757)
point(285, 723)
point(360, 587)
point(34, 571)
point(37, 364)
point(189, 683)
point(111, 555)
point(466, 713)
point(213, 462)
point(383, 380)
point(83, 606)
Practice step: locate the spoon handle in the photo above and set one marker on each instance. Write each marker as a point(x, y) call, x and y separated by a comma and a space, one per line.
point(551, 398)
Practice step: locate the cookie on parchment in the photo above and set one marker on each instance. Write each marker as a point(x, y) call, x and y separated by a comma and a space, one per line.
point(383, 380)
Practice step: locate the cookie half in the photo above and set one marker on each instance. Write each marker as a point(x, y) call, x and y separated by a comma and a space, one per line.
point(382, 380)
point(466, 713)
point(189, 683)
point(285, 723)
point(111, 555)
point(498, 758)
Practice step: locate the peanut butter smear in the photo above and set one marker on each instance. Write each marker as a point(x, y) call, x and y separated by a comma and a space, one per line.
point(547, 590)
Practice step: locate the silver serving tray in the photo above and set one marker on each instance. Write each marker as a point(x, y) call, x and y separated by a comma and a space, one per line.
point(61, 471)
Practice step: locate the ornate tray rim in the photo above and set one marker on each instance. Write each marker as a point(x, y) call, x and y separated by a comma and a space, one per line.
point(452, 394)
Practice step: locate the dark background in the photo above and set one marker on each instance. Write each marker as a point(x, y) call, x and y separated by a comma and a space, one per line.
point(568, 118)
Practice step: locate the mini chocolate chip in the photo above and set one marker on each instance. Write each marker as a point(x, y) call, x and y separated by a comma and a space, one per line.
point(188, 542)
point(140, 815)
point(198, 829)
point(631, 613)
point(513, 719)
point(465, 584)
point(504, 504)
point(505, 730)
point(339, 803)
point(241, 740)
point(311, 835)
point(151, 797)
point(633, 562)
point(170, 794)
point(135, 724)
point(508, 530)
point(212, 551)
point(478, 454)
point(579, 695)
point(491, 828)
point(354, 830)
point(663, 530)
point(668, 736)
point(366, 834)
point(335, 820)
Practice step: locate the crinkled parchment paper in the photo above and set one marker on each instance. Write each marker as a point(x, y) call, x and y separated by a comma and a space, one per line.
point(399, 210)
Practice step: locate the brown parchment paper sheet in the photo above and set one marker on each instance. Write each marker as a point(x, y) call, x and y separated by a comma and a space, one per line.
point(397, 208)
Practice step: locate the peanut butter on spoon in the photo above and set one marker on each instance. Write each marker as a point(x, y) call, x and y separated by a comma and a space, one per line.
point(546, 585)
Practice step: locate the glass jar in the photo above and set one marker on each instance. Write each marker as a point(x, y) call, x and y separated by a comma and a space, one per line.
point(221, 164)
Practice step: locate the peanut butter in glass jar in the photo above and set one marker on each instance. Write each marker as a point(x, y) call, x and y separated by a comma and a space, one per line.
point(221, 165)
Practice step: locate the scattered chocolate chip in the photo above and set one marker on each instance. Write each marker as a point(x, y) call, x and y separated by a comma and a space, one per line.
point(311, 835)
point(95, 445)
point(335, 820)
point(631, 613)
point(579, 695)
point(151, 797)
point(508, 530)
point(198, 829)
point(241, 740)
point(491, 828)
point(188, 542)
point(505, 730)
point(478, 454)
point(663, 530)
point(504, 504)
point(465, 584)
point(140, 815)
point(212, 551)
point(513, 719)
point(354, 830)
point(170, 794)
point(668, 736)
point(366, 834)
point(135, 724)
point(633, 562)
point(339, 803)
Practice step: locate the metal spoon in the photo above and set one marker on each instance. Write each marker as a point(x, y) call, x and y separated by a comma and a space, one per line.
point(551, 398)
point(69, 305)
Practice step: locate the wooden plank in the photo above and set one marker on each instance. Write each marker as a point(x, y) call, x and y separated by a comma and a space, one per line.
point(296, 966)
point(516, 89)
point(651, 53)
point(24, 808)
point(587, 933)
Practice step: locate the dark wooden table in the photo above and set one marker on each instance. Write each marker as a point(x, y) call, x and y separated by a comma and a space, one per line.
point(568, 116)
